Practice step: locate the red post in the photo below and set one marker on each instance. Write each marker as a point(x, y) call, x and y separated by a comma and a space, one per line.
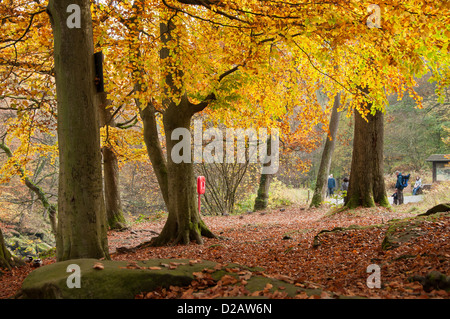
point(201, 186)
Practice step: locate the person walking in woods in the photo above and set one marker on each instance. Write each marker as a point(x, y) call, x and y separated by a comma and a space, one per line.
point(417, 185)
point(331, 185)
point(398, 196)
point(344, 188)
point(344, 185)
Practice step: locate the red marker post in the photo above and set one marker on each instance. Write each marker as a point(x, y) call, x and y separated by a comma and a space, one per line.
point(201, 186)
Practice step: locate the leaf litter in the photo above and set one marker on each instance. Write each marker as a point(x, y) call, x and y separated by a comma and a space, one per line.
point(281, 243)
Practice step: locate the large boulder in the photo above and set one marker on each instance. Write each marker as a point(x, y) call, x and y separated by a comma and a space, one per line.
point(441, 208)
point(107, 279)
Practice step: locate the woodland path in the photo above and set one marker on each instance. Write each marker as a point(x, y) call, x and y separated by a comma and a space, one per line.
point(281, 242)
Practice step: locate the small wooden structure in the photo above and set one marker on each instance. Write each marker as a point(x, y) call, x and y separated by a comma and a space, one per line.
point(441, 167)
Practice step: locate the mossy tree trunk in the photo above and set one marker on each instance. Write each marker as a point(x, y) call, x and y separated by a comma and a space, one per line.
point(184, 223)
point(325, 162)
point(7, 260)
point(82, 229)
point(176, 180)
point(366, 186)
point(262, 197)
point(113, 203)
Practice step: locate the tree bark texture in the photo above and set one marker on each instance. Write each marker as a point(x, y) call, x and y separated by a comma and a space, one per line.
point(176, 180)
point(366, 186)
point(113, 203)
point(82, 229)
point(325, 162)
point(7, 260)
point(184, 223)
point(262, 197)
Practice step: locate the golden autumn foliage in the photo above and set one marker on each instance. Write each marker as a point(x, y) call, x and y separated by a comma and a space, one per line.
point(263, 61)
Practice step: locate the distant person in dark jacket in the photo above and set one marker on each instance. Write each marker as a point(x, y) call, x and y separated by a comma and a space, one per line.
point(398, 200)
point(344, 185)
point(331, 185)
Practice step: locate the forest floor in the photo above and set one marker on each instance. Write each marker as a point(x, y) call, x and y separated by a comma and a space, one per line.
point(282, 242)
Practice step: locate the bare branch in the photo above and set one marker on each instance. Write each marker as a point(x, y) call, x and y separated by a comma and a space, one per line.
point(25, 32)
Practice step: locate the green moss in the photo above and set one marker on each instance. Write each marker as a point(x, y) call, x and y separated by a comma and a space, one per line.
point(48, 253)
point(117, 221)
point(384, 202)
point(316, 201)
point(115, 281)
point(403, 230)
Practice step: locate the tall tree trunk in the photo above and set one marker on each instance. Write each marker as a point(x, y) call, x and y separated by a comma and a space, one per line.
point(325, 163)
point(176, 180)
point(184, 222)
point(113, 203)
point(82, 229)
point(262, 197)
point(366, 186)
point(147, 112)
point(154, 150)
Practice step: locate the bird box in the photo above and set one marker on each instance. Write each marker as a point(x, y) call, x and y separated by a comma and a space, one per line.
point(98, 61)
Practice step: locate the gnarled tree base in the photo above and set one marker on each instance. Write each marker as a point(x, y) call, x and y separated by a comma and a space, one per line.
point(7, 260)
point(366, 187)
point(172, 234)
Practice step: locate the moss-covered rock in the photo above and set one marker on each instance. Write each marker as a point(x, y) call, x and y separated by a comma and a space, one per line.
point(23, 245)
point(400, 232)
point(434, 280)
point(114, 281)
point(124, 280)
point(441, 208)
point(403, 230)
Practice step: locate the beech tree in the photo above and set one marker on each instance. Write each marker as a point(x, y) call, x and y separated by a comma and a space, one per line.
point(113, 203)
point(81, 208)
point(327, 153)
point(170, 60)
point(366, 186)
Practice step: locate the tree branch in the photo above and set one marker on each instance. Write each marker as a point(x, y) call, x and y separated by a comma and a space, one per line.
point(212, 97)
point(126, 124)
point(25, 32)
point(34, 188)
